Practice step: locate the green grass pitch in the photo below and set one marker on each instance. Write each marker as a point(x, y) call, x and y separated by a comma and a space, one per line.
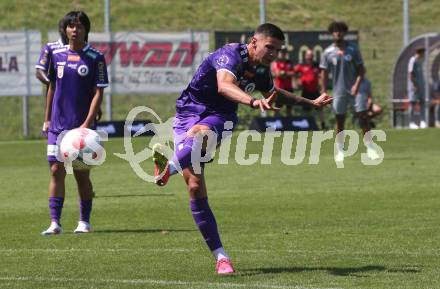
point(304, 226)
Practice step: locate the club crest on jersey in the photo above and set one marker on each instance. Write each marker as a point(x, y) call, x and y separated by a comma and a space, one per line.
point(83, 70)
point(44, 59)
point(60, 71)
point(348, 57)
point(223, 60)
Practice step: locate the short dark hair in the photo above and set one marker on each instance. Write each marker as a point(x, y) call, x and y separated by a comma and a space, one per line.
point(420, 49)
point(338, 26)
point(73, 16)
point(270, 30)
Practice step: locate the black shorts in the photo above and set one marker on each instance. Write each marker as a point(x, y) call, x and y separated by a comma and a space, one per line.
point(309, 95)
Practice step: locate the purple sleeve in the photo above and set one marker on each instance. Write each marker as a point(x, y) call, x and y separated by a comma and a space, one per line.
point(43, 60)
point(229, 61)
point(101, 76)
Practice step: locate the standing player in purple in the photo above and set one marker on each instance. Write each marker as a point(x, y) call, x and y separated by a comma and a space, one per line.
point(209, 104)
point(43, 64)
point(78, 75)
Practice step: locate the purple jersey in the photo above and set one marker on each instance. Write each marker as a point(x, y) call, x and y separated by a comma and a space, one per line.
point(201, 95)
point(46, 54)
point(76, 74)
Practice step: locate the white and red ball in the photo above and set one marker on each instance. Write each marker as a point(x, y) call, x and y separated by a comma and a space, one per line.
point(82, 147)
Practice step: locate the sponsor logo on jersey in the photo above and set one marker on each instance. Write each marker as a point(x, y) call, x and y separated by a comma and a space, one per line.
point(83, 70)
point(223, 60)
point(72, 65)
point(101, 71)
point(72, 57)
point(261, 70)
point(60, 71)
point(91, 54)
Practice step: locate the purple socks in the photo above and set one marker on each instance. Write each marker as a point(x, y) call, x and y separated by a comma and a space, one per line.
point(206, 223)
point(85, 208)
point(55, 207)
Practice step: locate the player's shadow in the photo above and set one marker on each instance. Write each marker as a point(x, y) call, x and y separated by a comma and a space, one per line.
point(143, 231)
point(336, 271)
point(134, 195)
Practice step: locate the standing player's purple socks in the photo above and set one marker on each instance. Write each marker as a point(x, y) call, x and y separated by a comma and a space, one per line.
point(55, 207)
point(206, 223)
point(85, 208)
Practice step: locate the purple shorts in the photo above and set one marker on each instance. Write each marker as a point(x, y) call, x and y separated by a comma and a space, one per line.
point(216, 122)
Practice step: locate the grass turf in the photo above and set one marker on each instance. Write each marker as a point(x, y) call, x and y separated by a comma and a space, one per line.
point(304, 226)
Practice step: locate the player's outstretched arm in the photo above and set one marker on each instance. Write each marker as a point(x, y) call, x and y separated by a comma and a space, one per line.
point(322, 100)
point(360, 76)
point(227, 87)
point(323, 79)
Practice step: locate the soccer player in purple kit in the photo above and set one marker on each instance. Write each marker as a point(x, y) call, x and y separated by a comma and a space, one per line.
point(209, 104)
point(78, 75)
point(43, 64)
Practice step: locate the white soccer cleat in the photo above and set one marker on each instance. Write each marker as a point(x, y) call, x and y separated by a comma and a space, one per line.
point(413, 125)
point(54, 229)
point(83, 227)
point(339, 157)
point(423, 124)
point(372, 154)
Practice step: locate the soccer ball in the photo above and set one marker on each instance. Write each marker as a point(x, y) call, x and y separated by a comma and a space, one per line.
point(82, 148)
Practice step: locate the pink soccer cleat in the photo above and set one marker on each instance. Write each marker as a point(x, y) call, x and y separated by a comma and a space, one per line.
point(224, 267)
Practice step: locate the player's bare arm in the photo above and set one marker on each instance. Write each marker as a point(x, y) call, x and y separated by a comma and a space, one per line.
point(360, 76)
point(48, 110)
point(94, 107)
point(323, 79)
point(42, 76)
point(322, 100)
point(228, 87)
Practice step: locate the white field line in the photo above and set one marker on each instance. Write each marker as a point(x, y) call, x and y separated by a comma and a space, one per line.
point(152, 282)
point(31, 141)
point(185, 250)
